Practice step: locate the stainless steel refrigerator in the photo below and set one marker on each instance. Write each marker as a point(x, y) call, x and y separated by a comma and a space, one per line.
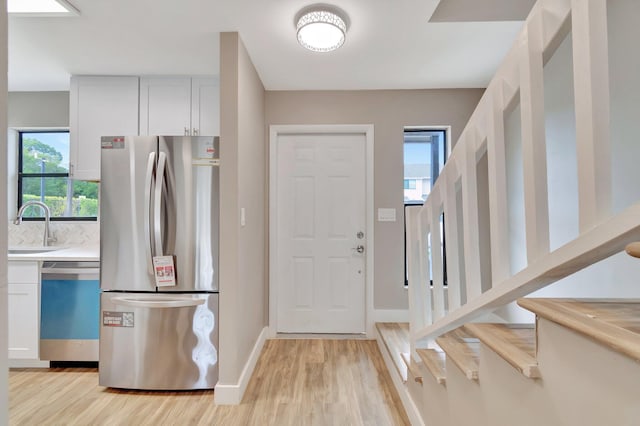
point(159, 201)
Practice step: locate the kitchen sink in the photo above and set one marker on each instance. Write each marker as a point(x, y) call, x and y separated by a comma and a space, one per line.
point(32, 250)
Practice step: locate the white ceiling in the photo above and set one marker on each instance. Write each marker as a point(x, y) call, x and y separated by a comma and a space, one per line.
point(390, 44)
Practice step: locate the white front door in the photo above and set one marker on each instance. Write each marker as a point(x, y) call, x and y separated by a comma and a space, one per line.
point(321, 219)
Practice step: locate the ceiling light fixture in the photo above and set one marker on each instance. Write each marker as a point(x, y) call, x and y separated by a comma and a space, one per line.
point(321, 28)
point(41, 8)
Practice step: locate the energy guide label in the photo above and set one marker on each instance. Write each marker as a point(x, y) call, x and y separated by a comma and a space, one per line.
point(117, 319)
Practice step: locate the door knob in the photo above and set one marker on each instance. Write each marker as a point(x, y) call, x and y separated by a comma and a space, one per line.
point(359, 249)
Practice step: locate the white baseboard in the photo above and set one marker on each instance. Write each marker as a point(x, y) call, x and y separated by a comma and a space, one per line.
point(225, 394)
point(403, 392)
point(28, 363)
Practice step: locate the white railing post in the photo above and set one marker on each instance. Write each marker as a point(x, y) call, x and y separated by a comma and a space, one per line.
point(591, 87)
point(436, 255)
point(417, 307)
point(451, 231)
point(496, 157)
point(473, 275)
point(534, 153)
point(425, 290)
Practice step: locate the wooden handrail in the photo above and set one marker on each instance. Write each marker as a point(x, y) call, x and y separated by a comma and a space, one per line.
point(633, 249)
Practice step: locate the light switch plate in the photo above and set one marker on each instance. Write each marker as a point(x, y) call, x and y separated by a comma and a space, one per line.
point(386, 215)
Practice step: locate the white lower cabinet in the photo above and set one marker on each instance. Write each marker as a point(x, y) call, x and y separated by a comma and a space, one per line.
point(24, 309)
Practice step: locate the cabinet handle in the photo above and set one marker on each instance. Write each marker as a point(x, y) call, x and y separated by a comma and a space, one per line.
point(186, 131)
point(195, 132)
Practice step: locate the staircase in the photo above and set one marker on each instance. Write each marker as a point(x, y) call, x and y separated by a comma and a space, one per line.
point(579, 364)
point(535, 205)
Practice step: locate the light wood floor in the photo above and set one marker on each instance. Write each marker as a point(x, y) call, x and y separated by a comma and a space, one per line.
point(296, 382)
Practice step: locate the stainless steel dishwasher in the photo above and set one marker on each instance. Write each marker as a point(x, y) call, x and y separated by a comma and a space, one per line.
point(70, 311)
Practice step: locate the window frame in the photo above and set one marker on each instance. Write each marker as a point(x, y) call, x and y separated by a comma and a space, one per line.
point(435, 173)
point(21, 175)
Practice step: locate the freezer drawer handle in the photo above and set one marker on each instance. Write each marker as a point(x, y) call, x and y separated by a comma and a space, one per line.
point(157, 303)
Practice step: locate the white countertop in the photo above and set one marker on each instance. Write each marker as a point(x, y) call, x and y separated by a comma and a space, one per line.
point(79, 253)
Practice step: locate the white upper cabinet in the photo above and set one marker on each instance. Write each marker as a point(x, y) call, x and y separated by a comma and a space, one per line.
point(99, 106)
point(176, 106)
point(165, 106)
point(205, 106)
point(128, 106)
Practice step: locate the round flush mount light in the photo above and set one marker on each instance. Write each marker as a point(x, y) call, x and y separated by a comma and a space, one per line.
point(321, 28)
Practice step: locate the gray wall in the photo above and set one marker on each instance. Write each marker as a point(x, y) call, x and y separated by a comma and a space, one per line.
point(38, 109)
point(389, 111)
point(4, 344)
point(242, 181)
point(30, 110)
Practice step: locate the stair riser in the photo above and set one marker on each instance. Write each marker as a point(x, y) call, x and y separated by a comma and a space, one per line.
point(416, 392)
point(592, 384)
point(465, 405)
point(583, 383)
point(435, 403)
point(509, 397)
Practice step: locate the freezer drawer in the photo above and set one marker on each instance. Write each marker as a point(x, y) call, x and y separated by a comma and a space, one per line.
point(158, 341)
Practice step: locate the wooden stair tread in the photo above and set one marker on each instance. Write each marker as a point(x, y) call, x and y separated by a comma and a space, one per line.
point(516, 344)
point(411, 367)
point(614, 323)
point(395, 336)
point(463, 350)
point(434, 361)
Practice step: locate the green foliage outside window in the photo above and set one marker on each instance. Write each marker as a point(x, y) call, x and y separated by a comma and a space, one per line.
point(44, 175)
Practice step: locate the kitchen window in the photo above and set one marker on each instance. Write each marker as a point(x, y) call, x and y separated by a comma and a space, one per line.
point(43, 175)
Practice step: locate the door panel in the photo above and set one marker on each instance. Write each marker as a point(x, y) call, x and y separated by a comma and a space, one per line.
point(190, 224)
point(123, 194)
point(320, 209)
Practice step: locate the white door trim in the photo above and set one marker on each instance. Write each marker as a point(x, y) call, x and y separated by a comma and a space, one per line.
point(274, 132)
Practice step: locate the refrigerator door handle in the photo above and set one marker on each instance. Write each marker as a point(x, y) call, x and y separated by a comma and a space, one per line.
point(142, 302)
point(148, 188)
point(157, 204)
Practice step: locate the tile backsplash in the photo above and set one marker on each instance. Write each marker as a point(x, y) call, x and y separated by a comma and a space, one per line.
point(66, 233)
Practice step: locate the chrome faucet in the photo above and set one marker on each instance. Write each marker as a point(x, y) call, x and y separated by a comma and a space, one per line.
point(48, 236)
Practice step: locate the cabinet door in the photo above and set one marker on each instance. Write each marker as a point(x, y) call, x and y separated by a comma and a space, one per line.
point(23, 272)
point(165, 106)
point(23, 321)
point(205, 106)
point(99, 106)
